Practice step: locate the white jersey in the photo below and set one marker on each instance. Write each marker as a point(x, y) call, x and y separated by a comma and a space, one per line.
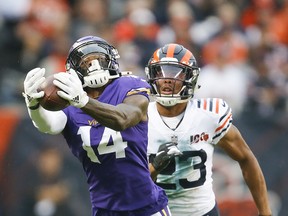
point(188, 180)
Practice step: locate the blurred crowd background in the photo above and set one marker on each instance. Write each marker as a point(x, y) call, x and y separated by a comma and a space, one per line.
point(241, 46)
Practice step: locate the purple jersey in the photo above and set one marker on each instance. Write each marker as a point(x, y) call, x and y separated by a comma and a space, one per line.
point(115, 162)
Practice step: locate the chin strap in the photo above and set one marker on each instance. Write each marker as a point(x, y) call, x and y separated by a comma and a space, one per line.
point(170, 100)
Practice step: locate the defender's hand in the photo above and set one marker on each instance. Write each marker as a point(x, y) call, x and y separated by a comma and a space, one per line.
point(32, 82)
point(165, 154)
point(71, 87)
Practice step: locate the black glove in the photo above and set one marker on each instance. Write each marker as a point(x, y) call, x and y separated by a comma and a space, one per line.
point(166, 152)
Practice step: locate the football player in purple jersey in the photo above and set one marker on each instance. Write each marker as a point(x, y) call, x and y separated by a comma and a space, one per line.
point(183, 132)
point(105, 127)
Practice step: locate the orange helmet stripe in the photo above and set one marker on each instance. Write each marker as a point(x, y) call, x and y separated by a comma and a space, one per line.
point(156, 55)
point(186, 57)
point(170, 50)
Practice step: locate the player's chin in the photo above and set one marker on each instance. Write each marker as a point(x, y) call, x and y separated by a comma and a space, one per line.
point(166, 93)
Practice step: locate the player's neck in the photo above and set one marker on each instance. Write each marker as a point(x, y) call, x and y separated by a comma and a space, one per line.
point(94, 92)
point(171, 111)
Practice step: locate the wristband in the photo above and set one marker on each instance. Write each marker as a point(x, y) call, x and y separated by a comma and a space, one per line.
point(35, 107)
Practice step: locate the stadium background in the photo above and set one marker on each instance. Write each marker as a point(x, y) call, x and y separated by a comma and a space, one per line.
point(241, 45)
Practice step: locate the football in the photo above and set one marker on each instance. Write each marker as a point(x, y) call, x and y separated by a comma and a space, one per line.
point(51, 101)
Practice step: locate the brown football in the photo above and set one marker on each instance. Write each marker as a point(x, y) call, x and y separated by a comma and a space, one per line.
point(51, 100)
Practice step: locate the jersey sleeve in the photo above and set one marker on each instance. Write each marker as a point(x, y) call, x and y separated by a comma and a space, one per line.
point(136, 85)
point(225, 118)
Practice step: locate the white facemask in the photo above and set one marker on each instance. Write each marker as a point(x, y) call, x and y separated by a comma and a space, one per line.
point(97, 77)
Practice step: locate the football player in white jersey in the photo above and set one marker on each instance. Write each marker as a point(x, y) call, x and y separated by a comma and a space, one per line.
point(183, 133)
